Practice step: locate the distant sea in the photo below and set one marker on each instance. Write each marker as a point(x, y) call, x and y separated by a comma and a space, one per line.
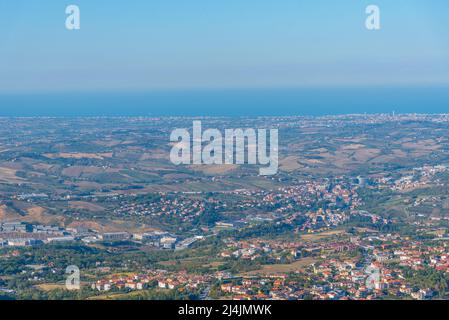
point(254, 102)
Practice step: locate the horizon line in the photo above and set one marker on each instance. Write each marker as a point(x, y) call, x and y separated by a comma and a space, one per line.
point(225, 88)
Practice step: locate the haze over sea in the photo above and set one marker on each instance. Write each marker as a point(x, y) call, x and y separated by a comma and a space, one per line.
point(230, 102)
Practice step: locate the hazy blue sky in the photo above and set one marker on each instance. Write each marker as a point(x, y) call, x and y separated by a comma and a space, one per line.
point(146, 44)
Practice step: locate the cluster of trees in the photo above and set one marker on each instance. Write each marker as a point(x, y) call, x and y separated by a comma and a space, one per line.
point(259, 230)
point(428, 278)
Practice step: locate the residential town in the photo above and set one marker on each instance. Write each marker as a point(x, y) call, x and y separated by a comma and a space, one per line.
point(358, 210)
